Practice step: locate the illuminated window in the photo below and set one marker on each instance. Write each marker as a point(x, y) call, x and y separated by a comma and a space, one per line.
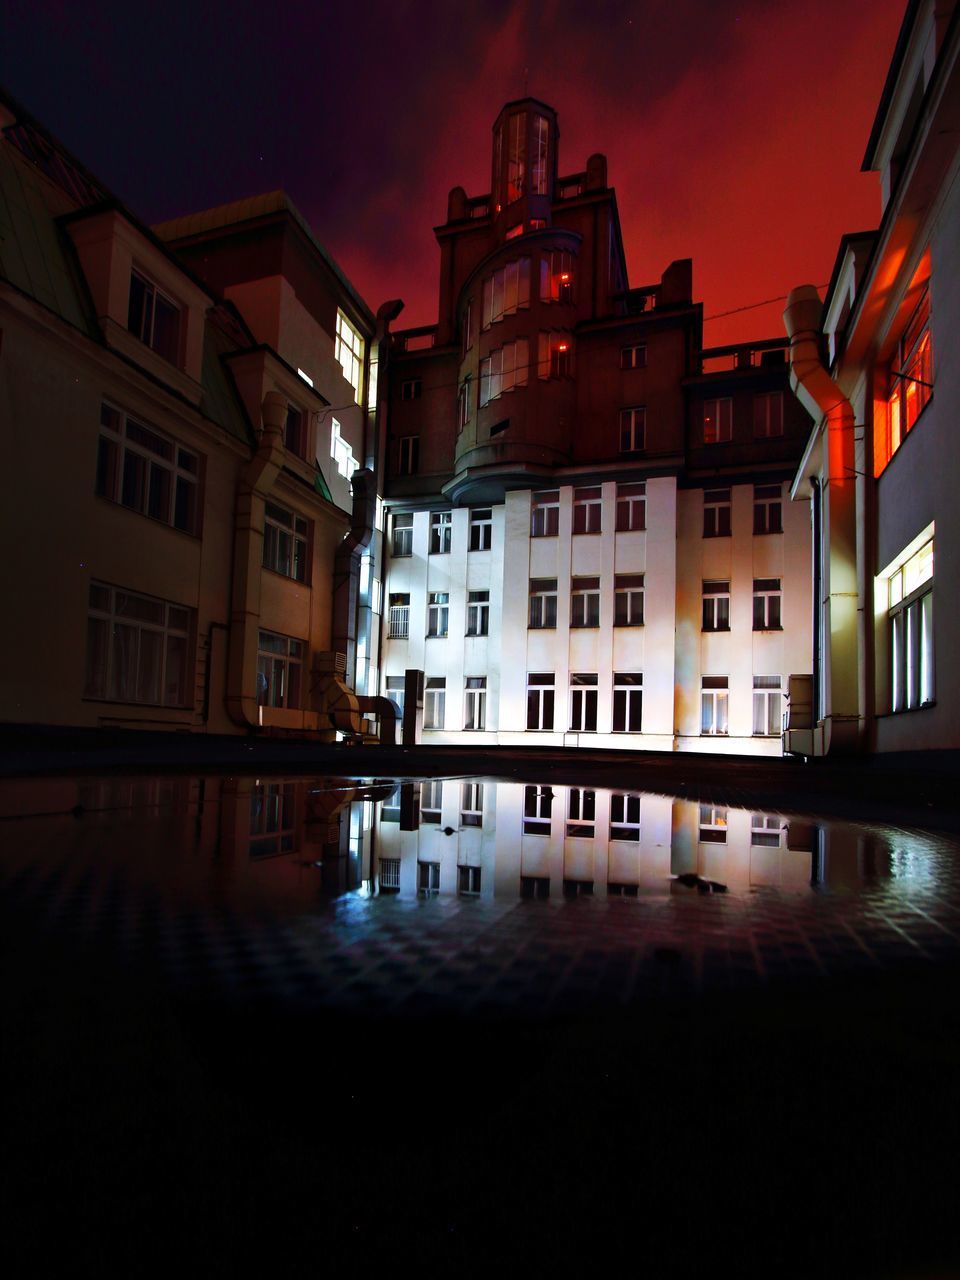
point(767, 508)
point(540, 699)
point(475, 703)
point(911, 631)
point(716, 513)
point(554, 355)
point(137, 648)
point(481, 528)
point(463, 403)
point(767, 706)
point(714, 705)
point(624, 817)
point(441, 532)
point(627, 701)
point(285, 542)
point(581, 812)
point(348, 350)
point(434, 702)
point(545, 514)
point(587, 510)
point(633, 426)
point(402, 541)
point(506, 291)
point(634, 357)
point(409, 456)
point(717, 421)
point(478, 613)
point(398, 619)
point(631, 507)
point(154, 318)
point(516, 156)
point(438, 613)
point(766, 604)
point(713, 824)
point(537, 811)
point(147, 472)
point(513, 232)
point(543, 603)
point(468, 878)
point(341, 452)
point(504, 369)
point(556, 276)
point(583, 703)
point(766, 830)
point(628, 600)
point(911, 380)
point(716, 606)
point(428, 877)
point(539, 174)
point(279, 670)
point(585, 602)
point(768, 415)
point(412, 389)
point(471, 809)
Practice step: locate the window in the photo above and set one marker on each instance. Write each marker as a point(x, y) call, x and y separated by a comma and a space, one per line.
point(624, 817)
point(396, 689)
point(713, 705)
point(545, 514)
point(389, 873)
point(765, 830)
point(468, 880)
point(402, 541)
point(555, 355)
point(348, 351)
point(717, 421)
point(438, 613)
point(441, 532)
point(398, 621)
point(633, 426)
point(272, 819)
point(543, 603)
point(514, 231)
point(504, 370)
point(716, 606)
point(539, 173)
point(294, 435)
point(285, 542)
point(628, 600)
point(341, 452)
point(537, 810)
point(147, 472)
point(587, 509)
point(481, 528)
point(279, 670)
point(583, 703)
point(138, 648)
point(468, 326)
point(556, 276)
point(475, 703)
point(631, 507)
point(471, 804)
point(768, 415)
point(766, 604)
point(911, 381)
point(478, 613)
point(154, 318)
point(767, 706)
point(627, 702)
point(585, 602)
point(506, 291)
point(409, 456)
point(411, 389)
point(428, 878)
point(535, 886)
point(434, 702)
point(540, 700)
point(713, 824)
point(767, 508)
point(581, 812)
point(463, 403)
point(911, 631)
point(716, 513)
point(431, 800)
point(634, 357)
point(516, 156)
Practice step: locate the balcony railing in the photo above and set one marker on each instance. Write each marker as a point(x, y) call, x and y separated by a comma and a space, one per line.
point(398, 622)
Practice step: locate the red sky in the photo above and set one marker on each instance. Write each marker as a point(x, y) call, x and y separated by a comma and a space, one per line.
point(734, 131)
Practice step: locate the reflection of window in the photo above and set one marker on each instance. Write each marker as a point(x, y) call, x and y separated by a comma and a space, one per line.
point(279, 670)
point(468, 881)
point(478, 613)
point(713, 705)
point(583, 703)
point(471, 804)
point(402, 543)
point(409, 459)
point(911, 631)
point(624, 817)
point(716, 606)
point(137, 648)
point(713, 824)
point(272, 820)
point(627, 701)
point(475, 703)
point(434, 702)
point(540, 700)
point(154, 318)
point(537, 808)
point(441, 532)
point(543, 603)
point(348, 351)
point(398, 620)
point(285, 542)
point(585, 602)
point(506, 291)
point(389, 873)
point(767, 508)
point(631, 507)
point(581, 812)
point(431, 800)
point(504, 370)
point(545, 514)
point(587, 510)
point(766, 604)
point(147, 472)
point(428, 877)
point(438, 613)
point(768, 415)
point(765, 829)
point(717, 421)
point(633, 424)
point(716, 513)
point(767, 706)
point(481, 528)
point(628, 600)
point(634, 357)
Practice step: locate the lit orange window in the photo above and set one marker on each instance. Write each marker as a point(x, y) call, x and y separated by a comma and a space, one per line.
point(911, 385)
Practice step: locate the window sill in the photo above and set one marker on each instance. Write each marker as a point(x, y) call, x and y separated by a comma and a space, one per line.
point(544, 535)
point(587, 533)
point(907, 711)
point(628, 624)
point(437, 635)
point(584, 626)
point(718, 535)
point(760, 630)
point(531, 627)
point(715, 631)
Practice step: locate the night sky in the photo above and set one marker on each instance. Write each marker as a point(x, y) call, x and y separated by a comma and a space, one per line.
point(734, 131)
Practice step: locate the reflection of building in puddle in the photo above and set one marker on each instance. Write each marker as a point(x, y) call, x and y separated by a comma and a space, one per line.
point(448, 836)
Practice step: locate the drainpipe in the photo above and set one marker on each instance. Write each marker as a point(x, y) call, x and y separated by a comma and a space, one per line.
point(838, 598)
point(256, 482)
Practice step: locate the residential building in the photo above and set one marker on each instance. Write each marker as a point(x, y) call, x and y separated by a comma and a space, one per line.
point(876, 367)
point(588, 540)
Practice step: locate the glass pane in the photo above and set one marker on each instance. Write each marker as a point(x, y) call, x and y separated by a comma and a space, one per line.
point(150, 662)
point(175, 672)
point(185, 510)
point(124, 665)
point(96, 680)
point(158, 501)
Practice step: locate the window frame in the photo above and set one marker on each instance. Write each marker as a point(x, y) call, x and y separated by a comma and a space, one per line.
point(768, 604)
point(474, 703)
point(408, 455)
point(587, 510)
point(718, 426)
point(349, 350)
point(715, 695)
point(584, 701)
point(633, 429)
point(633, 356)
point(291, 663)
point(145, 329)
point(401, 535)
point(478, 613)
point(628, 590)
point(545, 514)
point(116, 483)
point(286, 524)
point(438, 615)
point(717, 513)
point(627, 702)
point(481, 529)
point(541, 701)
point(585, 610)
point(540, 615)
point(767, 509)
point(441, 533)
point(107, 619)
point(631, 499)
point(434, 702)
point(715, 605)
